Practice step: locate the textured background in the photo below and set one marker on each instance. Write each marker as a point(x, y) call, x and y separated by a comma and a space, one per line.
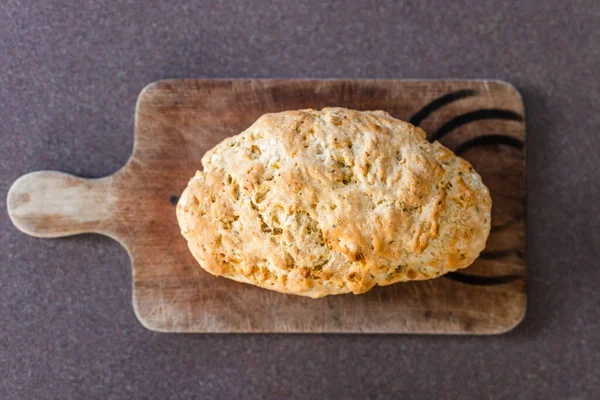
point(70, 72)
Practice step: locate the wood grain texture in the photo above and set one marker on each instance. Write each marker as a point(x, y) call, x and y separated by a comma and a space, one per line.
point(177, 121)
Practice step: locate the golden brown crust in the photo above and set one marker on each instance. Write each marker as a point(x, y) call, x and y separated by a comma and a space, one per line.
point(333, 201)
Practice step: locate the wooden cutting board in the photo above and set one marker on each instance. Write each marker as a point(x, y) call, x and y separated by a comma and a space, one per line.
point(177, 121)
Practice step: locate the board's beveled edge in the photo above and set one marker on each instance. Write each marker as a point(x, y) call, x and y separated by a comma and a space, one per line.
point(519, 97)
point(142, 318)
point(159, 328)
point(523, 307)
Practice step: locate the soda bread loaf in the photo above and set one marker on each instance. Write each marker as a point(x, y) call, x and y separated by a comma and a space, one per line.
point(333, 201)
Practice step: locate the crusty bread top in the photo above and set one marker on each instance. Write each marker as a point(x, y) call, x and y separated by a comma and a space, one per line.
point(333, 201)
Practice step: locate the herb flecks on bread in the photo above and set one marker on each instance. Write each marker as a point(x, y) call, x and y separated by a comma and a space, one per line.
point(325, 202)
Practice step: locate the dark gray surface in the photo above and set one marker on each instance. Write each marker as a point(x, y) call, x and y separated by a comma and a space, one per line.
point(69, 77)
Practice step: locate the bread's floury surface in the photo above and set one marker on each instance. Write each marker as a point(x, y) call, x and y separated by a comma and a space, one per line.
point(333, 201)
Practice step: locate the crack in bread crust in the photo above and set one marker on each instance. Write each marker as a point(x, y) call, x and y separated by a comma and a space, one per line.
point(333, 201)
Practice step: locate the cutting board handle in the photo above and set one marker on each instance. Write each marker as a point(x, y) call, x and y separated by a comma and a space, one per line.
point(53, 204)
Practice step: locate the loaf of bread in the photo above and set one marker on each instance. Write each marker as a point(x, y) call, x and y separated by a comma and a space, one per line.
point(325, 202)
